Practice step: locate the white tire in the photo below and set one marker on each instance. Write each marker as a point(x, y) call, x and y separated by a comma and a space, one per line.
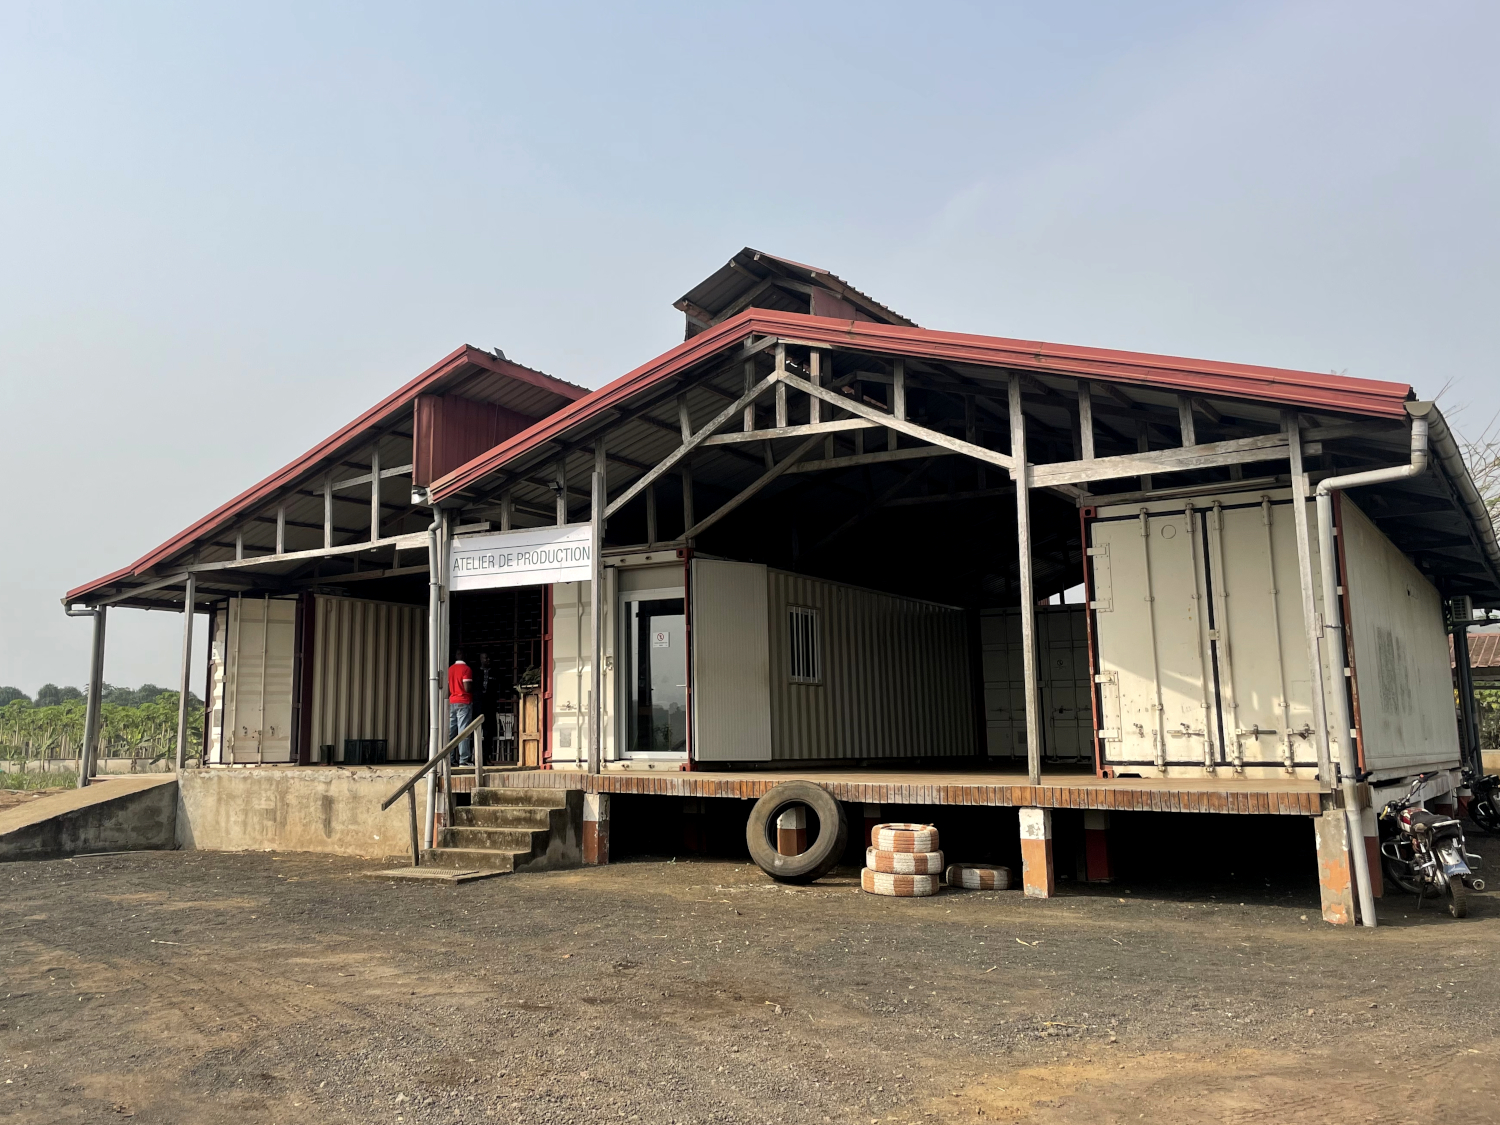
point(904, 863)
point(978, 877)
point(904, 838)
point(898, 886)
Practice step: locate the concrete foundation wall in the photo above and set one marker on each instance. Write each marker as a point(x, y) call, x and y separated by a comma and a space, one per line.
point(327, 809)
point(111, 816)
point(103, 767)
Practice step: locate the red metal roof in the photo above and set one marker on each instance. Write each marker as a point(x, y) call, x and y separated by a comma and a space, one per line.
point(1305, 390)
point(1484, 651)
point(380, 412)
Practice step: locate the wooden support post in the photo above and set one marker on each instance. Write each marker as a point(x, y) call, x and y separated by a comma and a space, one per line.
point(651, 515)
point(86, 752)
point(1085, 422)
point(1143, 445)
point(749, 386)
point(328, 511)
point(1335, 868)
point(281, 529)
point(189, 600)
point(595, 829)
point(375, 492)
point(1037, 876)
point(507, 509)
point(1310, 618)
point(1185, 420)
point(562, 491)
point(596, 617)
point(684, 418)
point(781, 413)
point(239, 544)
point(898, 390)
point(1021, 475)
point(815, 404)
point(687, 499)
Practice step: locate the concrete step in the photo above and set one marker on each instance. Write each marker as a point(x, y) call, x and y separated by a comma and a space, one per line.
point(504, 816)
point(470, 859)
point(523, 840)
point(523, 798)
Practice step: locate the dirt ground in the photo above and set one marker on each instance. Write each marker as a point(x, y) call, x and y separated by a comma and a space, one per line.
point(205, 988)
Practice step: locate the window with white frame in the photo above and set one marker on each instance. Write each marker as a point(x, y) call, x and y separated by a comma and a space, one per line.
point(806, 655)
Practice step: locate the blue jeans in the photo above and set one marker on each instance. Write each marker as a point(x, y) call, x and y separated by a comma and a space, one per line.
point(461, 715)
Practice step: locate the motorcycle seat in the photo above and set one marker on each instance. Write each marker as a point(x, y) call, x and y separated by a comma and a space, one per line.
point(1429, 819)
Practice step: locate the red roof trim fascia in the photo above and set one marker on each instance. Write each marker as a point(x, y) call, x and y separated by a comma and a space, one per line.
point(1302, 389)
point(378, 413)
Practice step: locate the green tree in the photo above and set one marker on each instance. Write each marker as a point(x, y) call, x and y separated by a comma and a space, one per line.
point(11, 694)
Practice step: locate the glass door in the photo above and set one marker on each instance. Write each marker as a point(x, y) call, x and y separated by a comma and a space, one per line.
point(654, 675)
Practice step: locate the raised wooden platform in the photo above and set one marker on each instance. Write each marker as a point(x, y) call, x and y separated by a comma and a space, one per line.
point(943, 787)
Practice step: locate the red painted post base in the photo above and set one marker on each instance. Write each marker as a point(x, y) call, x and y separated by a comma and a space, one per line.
point(595, 828)
point(791, 831)
point(872, 818)
point(1096, 867)
point(1037, 877)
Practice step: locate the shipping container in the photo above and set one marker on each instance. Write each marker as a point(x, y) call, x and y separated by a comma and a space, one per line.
point(369, 677)
point(1062, 676)
point(1201, 660)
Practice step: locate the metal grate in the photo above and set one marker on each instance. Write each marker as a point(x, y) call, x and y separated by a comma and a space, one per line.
point(806, 663)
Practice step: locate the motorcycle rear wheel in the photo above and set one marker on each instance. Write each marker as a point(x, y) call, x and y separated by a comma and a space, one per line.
point(1458, 898)
point(1399, 874)
point(1485, 815)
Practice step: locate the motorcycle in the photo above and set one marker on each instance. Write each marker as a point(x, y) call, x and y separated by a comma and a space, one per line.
point(1484, 804)
point(1424, 852)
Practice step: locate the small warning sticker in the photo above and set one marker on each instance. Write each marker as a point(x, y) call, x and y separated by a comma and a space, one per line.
point(661, 639)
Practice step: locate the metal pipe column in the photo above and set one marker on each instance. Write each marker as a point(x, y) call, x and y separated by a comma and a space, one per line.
point(86, 752)
point(1467, 714)
point(434, 673)
point(1021, 474)
point(1341, 721)
point(596, 621)
point(189, 601)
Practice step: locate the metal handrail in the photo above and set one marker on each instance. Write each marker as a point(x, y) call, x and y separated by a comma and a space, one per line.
point(435, 760)
point(438, 759)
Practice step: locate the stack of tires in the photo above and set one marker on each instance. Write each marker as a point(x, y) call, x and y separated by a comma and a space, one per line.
point(902, 861)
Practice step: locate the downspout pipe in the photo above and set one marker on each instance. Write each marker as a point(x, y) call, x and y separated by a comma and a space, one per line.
point(434, 665)
point(1341, 724)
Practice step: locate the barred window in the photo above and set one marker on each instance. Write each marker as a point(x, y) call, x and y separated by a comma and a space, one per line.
point(806, 661)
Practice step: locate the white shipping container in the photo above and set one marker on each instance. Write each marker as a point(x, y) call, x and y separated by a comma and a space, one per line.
point(1201, 646)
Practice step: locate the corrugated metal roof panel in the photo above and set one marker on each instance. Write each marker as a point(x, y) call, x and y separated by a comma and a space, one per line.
point(496, 380)
point(1305, 390)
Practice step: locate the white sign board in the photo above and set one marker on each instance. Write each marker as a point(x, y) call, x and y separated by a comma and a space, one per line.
point(531, 556)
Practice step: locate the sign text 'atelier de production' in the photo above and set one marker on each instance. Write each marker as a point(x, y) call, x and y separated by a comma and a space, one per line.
point(530, 556)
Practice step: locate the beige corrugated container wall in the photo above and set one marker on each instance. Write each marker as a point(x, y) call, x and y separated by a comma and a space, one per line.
point(895, 676)
point(369, 676)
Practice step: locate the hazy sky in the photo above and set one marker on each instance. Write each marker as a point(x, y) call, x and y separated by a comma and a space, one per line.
point(226, 230)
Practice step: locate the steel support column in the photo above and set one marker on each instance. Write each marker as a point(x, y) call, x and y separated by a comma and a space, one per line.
point(189, 601)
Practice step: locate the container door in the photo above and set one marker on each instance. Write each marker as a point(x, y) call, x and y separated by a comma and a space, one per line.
point(258, 690)
point(653, 675)
point(1153, 677)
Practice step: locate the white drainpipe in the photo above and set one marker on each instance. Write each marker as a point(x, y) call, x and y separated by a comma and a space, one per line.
point(1333, 624)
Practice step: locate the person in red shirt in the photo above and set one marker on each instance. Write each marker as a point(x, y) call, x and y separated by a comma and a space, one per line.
point(461, 706)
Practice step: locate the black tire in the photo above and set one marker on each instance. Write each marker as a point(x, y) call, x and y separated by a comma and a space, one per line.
point(1458, 898)
point(1399, 876)
point(822, 854)
point(1485, 815)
